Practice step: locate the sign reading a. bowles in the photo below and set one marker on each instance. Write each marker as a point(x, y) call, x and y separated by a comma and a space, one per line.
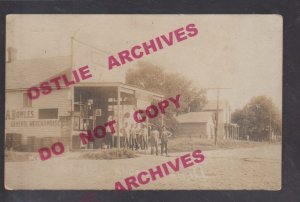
point(28, 119)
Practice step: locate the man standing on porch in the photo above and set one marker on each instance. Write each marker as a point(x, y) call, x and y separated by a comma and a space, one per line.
point(109, 136)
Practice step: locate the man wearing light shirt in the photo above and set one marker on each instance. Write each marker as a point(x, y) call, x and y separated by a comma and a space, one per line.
point(165, 134)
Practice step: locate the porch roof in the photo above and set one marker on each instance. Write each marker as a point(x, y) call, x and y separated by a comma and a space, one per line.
point(117, 84)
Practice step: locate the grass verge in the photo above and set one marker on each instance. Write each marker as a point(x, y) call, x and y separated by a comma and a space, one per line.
point(108, 154)
point(184, 144)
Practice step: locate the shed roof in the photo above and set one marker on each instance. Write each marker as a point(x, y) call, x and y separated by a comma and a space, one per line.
point(195, 117)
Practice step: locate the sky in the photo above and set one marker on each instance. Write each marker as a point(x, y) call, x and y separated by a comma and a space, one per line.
point(239, 52)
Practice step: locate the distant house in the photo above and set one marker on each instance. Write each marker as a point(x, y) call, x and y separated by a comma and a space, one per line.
point(203, 124)
point(226, 129)
point(224, 115)
point(198, 124)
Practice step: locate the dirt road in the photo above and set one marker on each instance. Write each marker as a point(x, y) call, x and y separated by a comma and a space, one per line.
point(231, 169)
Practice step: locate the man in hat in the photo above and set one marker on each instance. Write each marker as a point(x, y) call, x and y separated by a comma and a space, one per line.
point(165, 134)
point(109, 136)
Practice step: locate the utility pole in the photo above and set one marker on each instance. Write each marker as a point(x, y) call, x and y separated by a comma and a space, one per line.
point(217, 113)
point(217, 116)
point(164, 85)
point(270, 125)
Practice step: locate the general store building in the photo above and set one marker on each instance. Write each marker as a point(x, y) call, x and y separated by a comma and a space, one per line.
point(63, 114)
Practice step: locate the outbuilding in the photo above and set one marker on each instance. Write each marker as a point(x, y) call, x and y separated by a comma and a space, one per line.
point(197, 124)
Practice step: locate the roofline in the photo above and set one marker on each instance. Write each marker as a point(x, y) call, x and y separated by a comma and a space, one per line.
point(25, 89)
point(96, 84)
point(115, 84)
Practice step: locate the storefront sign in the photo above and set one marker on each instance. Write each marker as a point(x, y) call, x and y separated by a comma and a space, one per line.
point(40, 123)
point(28, 118)
point(19, 114)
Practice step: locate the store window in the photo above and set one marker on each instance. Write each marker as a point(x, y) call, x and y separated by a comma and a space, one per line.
point(26, 101)
point(48, 113)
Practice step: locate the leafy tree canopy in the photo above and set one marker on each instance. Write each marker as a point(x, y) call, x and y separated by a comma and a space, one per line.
point(257, 117)
point(154, 78)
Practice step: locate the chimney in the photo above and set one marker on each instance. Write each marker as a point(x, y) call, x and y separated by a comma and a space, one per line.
point(11, 54)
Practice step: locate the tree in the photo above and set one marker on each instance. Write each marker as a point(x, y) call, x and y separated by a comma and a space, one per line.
point(257, 118)
point(154, 78)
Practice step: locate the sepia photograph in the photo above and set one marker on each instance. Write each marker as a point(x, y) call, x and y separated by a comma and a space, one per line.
point(143, 102)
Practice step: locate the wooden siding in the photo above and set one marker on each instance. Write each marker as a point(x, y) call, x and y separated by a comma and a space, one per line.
point(60, 99)
point(192, 129)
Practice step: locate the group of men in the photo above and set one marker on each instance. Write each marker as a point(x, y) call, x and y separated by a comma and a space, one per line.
point(136, 138)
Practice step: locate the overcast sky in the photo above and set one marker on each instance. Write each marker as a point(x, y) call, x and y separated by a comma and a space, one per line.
point(241, 52)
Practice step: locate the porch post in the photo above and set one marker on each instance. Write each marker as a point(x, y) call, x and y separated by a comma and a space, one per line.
point(72, 99)
point(72, 118)
point(118, 118)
